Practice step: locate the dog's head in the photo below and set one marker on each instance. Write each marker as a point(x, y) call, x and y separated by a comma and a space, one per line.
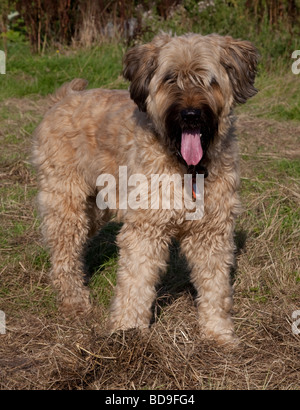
point(188, 85)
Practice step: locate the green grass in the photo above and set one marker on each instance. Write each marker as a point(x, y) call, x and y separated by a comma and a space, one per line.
point(278, 213)
point(278, 96)
point(103, 282)
point(289, 167)
point(29, 74)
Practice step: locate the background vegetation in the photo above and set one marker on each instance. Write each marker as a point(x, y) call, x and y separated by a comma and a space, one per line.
point(273, 24)
point(51, 42)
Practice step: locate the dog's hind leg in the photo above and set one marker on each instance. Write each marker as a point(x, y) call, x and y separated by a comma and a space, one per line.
point(144, 251)
point(65, 226)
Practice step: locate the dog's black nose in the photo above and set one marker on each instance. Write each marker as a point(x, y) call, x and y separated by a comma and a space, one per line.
point(190, 114)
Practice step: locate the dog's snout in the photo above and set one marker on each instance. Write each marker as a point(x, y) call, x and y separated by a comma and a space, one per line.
point(190, 114)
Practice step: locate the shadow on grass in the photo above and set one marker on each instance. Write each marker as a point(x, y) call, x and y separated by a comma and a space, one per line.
point(101, 248)
point(176, 281)
point(173, 283)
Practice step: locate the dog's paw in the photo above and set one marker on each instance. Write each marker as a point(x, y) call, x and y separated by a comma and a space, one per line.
point(76, 306)
point(226, 339)
point(228, 342)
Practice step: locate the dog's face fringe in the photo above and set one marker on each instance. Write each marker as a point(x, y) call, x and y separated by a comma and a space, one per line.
point(187, 84)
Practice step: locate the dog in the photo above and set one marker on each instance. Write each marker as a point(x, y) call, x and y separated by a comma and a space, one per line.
point(176, 118)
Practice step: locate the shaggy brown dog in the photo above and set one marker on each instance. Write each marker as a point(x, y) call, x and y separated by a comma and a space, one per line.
point(176, 119)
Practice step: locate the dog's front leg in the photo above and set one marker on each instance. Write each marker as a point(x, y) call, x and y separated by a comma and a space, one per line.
point(65, 228)
point(210, 257)
point(143, 255)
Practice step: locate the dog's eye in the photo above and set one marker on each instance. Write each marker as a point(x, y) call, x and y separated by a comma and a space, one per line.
point(213, 81)
point(169, 78)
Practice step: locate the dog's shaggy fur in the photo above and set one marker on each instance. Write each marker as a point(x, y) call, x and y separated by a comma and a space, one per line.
point(176, 119)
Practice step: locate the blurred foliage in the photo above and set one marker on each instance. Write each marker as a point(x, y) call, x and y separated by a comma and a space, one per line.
point(273, 25)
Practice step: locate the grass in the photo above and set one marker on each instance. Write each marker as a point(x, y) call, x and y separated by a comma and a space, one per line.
point(44, 350)
point(29, 74)
point(278, 96)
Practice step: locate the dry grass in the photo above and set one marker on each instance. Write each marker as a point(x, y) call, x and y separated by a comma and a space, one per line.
point(42, 350)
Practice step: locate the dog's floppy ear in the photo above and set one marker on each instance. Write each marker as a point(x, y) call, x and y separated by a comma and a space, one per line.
point(140, 64)
point(240, 59)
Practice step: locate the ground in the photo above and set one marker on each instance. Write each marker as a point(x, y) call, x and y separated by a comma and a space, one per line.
point(43, 350)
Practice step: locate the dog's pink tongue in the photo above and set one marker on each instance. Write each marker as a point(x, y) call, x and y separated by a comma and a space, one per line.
point(191, 148)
